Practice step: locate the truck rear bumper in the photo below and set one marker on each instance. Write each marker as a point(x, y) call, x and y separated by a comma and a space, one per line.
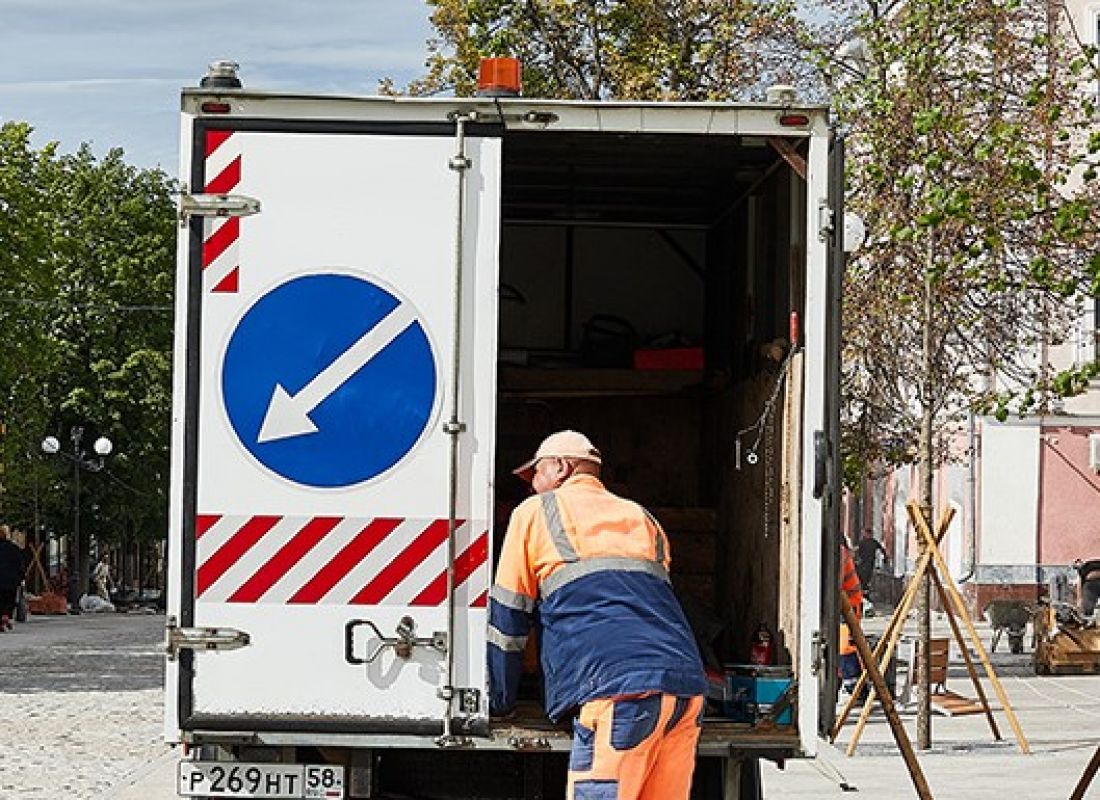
point(719, 738)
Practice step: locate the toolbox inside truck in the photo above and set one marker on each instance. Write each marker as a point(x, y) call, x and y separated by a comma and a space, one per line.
point(647, 286)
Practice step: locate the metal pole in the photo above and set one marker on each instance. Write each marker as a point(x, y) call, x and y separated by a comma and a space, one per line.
point(454, 427)
point(76, 550)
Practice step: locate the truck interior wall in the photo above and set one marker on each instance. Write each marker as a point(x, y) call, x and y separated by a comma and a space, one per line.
point(668, 438)
point(760, 243)
point(561, 277)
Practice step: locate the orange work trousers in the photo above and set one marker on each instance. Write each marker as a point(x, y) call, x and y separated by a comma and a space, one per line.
point(636, 747)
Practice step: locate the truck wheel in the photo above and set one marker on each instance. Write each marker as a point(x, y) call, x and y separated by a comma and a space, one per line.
point(733, 779)
point(752, 787)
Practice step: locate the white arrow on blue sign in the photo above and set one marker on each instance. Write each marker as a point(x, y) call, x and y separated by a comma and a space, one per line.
point(329, 380)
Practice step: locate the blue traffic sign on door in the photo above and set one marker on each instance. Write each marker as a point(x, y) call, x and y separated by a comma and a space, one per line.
point(329, 380)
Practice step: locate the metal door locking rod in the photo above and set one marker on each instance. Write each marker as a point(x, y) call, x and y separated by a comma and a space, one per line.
point(402, 644)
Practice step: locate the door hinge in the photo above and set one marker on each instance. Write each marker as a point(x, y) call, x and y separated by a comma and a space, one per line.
point(820, 646)
point(177, 639)
point(216, 205)
point(469, 701)
point(826, 222)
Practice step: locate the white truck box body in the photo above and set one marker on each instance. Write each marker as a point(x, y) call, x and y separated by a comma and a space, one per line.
point(360, 189)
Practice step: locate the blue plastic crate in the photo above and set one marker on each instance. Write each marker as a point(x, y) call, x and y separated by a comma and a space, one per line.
point(752, 691)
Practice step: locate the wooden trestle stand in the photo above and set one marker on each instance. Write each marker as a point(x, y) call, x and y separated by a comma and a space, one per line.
point(931, 562)
point(883, 692)
point(1086, 778)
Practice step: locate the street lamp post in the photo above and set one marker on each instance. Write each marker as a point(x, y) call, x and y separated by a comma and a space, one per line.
point(80, 460)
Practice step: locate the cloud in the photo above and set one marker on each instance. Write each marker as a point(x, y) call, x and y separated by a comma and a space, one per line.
point(86, 84)
point(109, 71)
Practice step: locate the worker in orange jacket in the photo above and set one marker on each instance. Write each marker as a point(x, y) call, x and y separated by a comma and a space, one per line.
point(614, 641)
point(850, 667)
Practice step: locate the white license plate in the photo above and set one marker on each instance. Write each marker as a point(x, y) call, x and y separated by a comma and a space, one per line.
point(267, 781)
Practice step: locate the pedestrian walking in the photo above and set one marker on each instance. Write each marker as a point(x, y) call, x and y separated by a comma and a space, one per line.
point(101, 575)
point(614, 641)
point(866, 555)
point(13, 566)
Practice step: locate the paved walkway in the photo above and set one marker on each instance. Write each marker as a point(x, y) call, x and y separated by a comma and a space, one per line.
point(80, 705)
point(81, 720)
point(1059, 716)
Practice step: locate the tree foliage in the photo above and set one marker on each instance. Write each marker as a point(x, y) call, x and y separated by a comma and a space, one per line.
point(972, 166)
point(626, 49)
point(85, 315)
point(971, 162)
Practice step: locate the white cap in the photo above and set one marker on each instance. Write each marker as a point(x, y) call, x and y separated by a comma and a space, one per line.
point(563, 444)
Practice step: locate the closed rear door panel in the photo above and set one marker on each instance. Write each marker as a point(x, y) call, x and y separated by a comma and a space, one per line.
point(321, 470)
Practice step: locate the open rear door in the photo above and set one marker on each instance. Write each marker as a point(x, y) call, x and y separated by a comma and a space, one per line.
point(831, 491)
point(313, 487)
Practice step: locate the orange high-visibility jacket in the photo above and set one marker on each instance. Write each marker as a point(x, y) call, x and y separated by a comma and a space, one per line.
point(849, 583)
point(594, 567)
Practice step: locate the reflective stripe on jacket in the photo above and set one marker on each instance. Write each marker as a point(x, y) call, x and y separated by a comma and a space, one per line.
point(596, 567)
point(849, 583)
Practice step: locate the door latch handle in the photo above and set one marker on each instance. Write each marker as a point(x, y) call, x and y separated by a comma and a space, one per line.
point(403, 643)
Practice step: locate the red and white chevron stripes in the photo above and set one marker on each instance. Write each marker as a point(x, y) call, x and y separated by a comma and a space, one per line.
point(220, 259)
point(337, 560)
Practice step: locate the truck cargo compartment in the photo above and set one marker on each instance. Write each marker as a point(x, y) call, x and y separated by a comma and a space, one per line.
point(618, 245)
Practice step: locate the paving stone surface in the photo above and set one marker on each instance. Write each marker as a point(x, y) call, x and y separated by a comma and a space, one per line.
point(80, 705)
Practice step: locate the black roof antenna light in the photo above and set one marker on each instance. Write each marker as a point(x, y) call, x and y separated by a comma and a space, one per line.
point(221, 75)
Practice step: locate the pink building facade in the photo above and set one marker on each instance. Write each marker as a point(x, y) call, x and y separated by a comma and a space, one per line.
point(1026, 505)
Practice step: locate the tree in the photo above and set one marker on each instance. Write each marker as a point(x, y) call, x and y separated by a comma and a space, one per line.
point(626, 49)
point(86, 282)
point(966, 133)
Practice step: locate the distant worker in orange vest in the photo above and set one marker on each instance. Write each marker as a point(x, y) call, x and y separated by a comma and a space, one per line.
point(850, 668)
point(614, 641)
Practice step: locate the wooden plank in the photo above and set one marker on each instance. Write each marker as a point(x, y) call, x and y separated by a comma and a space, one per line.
point(696, 519)
point(531, 382)
point(789, 154)
point(789, 613)
point(955, 705)
point(883, 692)
point(889, 642)
point(1086, 777)
point(970, 668)
point(938, 651)
point(692, 552)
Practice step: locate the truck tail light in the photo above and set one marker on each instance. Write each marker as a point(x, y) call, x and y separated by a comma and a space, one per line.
point(794, 120)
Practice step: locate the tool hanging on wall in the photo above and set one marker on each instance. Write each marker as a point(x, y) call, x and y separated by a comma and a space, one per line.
point(761, 424)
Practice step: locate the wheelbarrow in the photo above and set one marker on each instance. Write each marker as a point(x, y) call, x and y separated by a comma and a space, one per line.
point(1009, 616)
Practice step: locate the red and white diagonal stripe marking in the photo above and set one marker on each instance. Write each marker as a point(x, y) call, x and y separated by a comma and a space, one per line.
point(220, 252)
point(337, 560)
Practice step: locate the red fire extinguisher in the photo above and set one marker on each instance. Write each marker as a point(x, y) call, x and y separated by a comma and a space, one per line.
point(762, 647)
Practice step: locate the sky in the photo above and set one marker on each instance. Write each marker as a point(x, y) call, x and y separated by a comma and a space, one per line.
point(109, 72)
